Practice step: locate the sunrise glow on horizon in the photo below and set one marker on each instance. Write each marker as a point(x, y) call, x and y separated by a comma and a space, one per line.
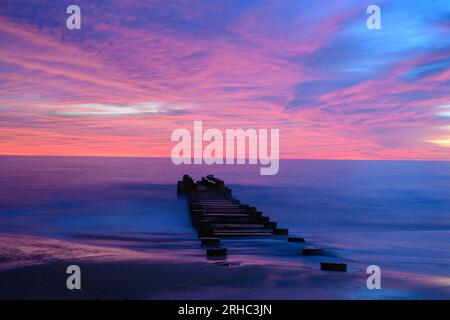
point(137, 71)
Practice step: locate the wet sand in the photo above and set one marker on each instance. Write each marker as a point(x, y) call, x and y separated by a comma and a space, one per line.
point(35, 268)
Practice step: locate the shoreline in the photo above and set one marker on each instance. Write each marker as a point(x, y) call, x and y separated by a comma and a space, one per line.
point(109, 273)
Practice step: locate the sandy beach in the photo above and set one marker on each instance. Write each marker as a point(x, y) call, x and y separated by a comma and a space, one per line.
point(35, 268)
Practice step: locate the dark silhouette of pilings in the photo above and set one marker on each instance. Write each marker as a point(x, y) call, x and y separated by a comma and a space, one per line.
point(216, 214)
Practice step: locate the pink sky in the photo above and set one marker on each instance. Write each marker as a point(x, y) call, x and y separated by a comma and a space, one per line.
point(138, 70)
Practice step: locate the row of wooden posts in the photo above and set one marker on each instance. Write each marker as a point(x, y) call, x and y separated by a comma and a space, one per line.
point(216, 214)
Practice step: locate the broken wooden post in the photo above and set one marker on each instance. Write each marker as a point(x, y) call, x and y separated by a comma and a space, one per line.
point(296, 239)
point(279, 231)
point(312, 252)
point(216, 252)
point(210, 241)
point(329, 266)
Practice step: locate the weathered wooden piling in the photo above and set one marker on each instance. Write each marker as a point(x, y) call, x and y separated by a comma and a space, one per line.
point(210, 241)
point(279, 231)
point(216, 252)
point(312, 251)
point(216, 214)
point(296, 239)
point(329, 266)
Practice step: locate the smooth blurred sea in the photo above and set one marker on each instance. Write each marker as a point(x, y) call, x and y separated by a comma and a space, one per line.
point(395, 214)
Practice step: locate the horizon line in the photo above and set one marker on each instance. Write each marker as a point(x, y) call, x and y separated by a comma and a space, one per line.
point(164, 157)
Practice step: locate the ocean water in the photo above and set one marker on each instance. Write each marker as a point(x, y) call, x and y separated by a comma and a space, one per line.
point(395, 214)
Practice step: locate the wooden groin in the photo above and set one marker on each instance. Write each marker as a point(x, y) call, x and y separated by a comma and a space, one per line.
point(216, 215)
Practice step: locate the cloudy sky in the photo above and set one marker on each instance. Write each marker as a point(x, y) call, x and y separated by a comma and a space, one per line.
point(137, 70)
